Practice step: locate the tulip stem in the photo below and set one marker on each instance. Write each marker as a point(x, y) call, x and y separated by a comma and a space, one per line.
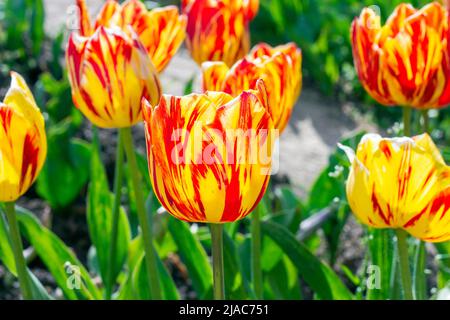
point(118, 180)
point(16, 244)
point(217, 255)
point(426, 121)
point(144, 221)
point(402, 244)
point(256, 254)
point(407, 121)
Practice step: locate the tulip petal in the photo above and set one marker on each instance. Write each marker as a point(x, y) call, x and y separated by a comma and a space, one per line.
point(405, 61)
point(201, 163)
point(109, 74)
point(405, 184)
point(23, 144)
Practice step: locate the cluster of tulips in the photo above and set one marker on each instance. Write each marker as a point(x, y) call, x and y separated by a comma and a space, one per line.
point(114, 66)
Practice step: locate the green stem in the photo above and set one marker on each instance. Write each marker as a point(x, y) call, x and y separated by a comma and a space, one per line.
point(404, 263)
point(426, 121)
point(217, 254)
point(118, 180)
point(144, 222)
point(16, 244)
point(256, 254)
point(420, 286)
point(407, 121)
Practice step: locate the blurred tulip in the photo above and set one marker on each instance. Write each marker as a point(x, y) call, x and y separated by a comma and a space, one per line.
point(401, 183)
point(279, 67)
point(210, 154)
point(218, 30)
point(23, 143)
point(109, 73)
point(161, 30)
point(406, 61)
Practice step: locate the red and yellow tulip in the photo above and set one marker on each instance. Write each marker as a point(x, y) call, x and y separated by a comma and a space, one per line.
point(279, 67)
point(406, 61)
point(210, 154)
point(218, 30)
point(161, 30)
point(401, 183)
point(23, 143)
point(110, 73)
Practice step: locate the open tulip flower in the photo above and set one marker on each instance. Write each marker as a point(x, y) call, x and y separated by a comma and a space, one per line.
point(210, 154)
point(23, 144)
point(279, 67)
point(109, 73)
point(218, 30)
point(161, 30)
point(401, 183)
point(405, 62)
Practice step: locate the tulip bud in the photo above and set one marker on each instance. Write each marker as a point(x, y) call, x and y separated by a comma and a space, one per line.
point(406, 61)
point(110, 73)
point(209, 154)
point(218, 30)
point(23, 144)
point(279, 67)
point(401, 183)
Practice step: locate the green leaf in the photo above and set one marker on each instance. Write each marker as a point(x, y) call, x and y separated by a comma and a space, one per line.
point(237, 286)
point(7, 257)
point(443, 259)
point(66, 170)
point(319, 276)
point(381, 248)
point(100, 219)
point(37, 289)
point(37, 32)
point(6, 253)
point(140, 281)
point(194, 257)
point(283, 281)
point(56, 256)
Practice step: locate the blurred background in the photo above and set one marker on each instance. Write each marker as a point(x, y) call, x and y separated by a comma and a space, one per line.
point(333, 106)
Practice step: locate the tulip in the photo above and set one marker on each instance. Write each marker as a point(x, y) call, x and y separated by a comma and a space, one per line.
point(218, 30)
point(279, 67)
point(406, 61)
point(110, 73)
point(161, 30)
point(23, 144)
point(403, 184)
point(205, 159)
point(23, 148)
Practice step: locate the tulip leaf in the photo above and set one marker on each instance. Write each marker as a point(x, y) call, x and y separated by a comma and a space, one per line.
point(58, 258)
point(66, 170)
point(282, 281)
point(319, 276)
point(7, 257)
point(193, 256)
point(6, 253)
point(100, 219)
point(381, 248)
point(140, 281)
point(237, 286)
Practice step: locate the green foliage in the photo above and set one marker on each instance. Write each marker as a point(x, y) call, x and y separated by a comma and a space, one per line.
point(100, 220)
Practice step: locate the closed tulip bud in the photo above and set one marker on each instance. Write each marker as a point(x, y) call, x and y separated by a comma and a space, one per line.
point(401, 183)
point(109, 73)
point(210, 154)
point(406, 61)
point(218, 30)
point(23, 144)
point(161, 30)
point(279, 67)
